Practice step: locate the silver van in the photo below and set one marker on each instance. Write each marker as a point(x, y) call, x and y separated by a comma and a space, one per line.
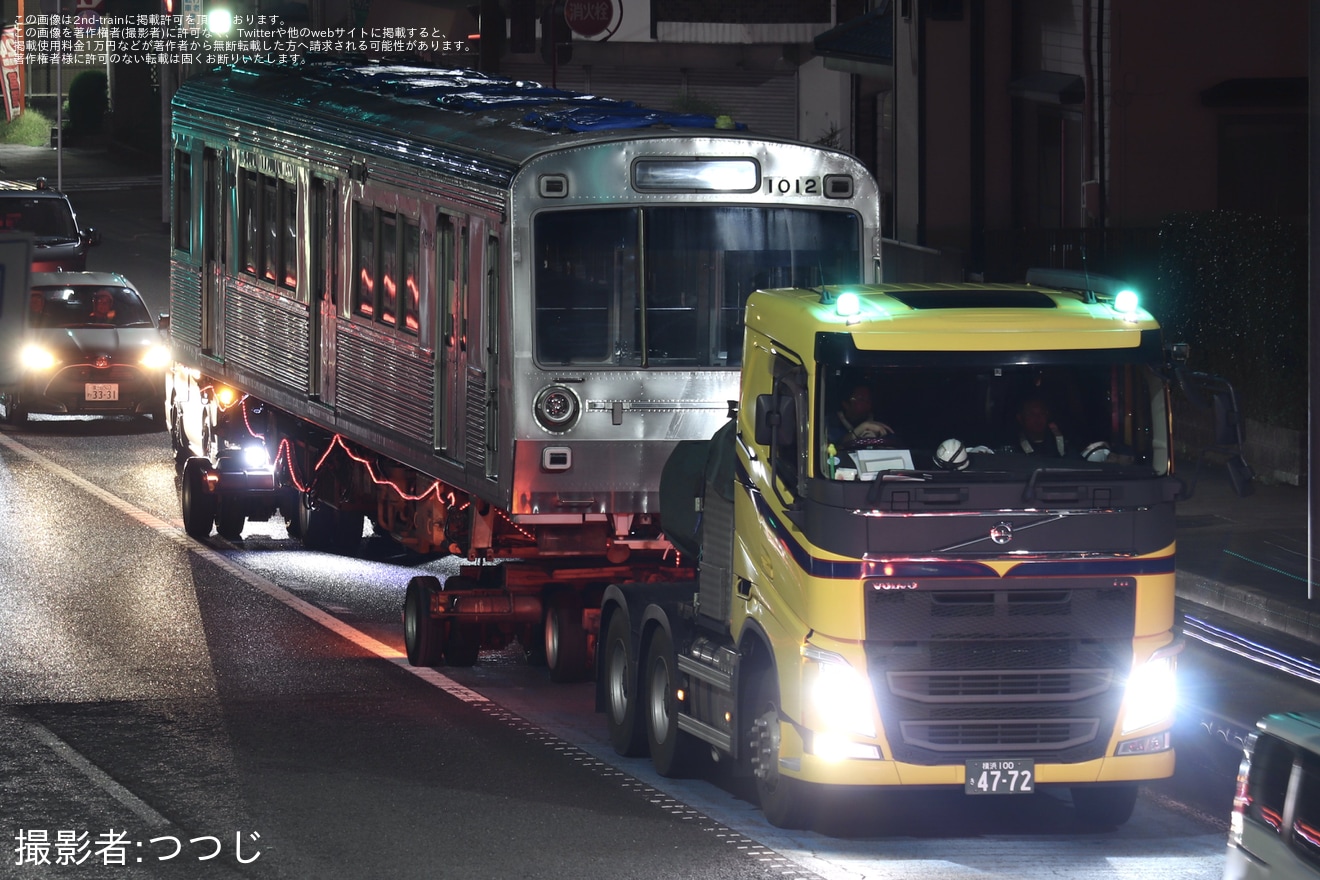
point(1275, 830)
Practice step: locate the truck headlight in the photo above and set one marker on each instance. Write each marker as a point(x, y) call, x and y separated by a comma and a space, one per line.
point(1152, 690)
point(838, 696)
point(34, 357)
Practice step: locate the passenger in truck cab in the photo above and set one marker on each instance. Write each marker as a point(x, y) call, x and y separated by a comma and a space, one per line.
point(1038, 434)
point(855, 419)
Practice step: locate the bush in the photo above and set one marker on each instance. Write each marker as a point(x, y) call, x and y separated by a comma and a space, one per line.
point(30, 128)
point(88, 101)
point(1234, 286)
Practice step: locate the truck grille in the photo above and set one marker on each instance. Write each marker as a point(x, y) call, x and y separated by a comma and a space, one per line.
point(977, 668)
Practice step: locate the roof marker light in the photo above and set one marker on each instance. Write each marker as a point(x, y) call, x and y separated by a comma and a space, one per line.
point(1126, 302)
point(847, 304)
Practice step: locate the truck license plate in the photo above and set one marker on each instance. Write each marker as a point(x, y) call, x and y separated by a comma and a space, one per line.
point(101, 391)
point(1001, 776)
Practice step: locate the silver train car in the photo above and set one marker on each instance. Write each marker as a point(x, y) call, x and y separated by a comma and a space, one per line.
point(479, 313)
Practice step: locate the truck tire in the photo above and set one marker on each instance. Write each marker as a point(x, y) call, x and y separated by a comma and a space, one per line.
point(565, 640)
point(1104, 806)
point(229, 519)
point(786, 803)
point(197, 504)
point(621, 689)
point(421, 632)
point(672, 751)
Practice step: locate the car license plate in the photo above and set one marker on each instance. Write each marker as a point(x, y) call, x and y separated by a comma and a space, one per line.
point(101, 391)
point(1001, 776)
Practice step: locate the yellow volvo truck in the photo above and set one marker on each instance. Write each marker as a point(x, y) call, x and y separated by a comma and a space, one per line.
point(947, 591)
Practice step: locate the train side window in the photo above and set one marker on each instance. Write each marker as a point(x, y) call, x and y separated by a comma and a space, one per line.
point(364, 250)
point(249, 242)
point(389, 268)
point(446, 276)
point(182, 200)
point(410, 304)
point(270, 226)
point(288, 234)
point(321, 228)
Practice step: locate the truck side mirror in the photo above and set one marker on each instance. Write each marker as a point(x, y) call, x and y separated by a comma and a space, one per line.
point(764, 429)
point(776, 424)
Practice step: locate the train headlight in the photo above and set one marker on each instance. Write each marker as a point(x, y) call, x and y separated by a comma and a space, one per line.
point(34, 357)
point(838, 696)
point(1152, 691)
point(557, 408)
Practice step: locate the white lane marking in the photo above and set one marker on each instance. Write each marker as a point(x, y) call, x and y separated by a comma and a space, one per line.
point(175, 533)
point(98, 776)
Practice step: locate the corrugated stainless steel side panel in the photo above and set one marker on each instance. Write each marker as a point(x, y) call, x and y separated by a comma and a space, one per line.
point(384, 384)
point(268, 336)
point(185, 304)
point(476, 410)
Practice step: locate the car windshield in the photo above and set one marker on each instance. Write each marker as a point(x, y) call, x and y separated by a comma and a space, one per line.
point(82, 305)
point(43, 217)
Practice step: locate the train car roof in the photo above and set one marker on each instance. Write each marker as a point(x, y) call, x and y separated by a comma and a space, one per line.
point(370, 106)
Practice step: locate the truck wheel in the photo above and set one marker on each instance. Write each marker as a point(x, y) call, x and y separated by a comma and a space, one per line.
point(565, 640)
point(199, 505)
point(672, 750)
point(786, 803)
point(621, 693)
point(421, 633)
point(15, 413)
point(1104, 806)
point(229, 519)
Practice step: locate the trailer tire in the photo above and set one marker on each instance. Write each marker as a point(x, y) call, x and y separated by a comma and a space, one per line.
point(673, 751)
point(316, 524)
point(1104, 806)
point(197, 504)
point(621, 689)
point(421, 632)
point(565, 639)
point(786, 803)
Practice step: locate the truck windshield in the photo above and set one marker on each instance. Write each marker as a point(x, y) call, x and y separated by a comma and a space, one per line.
point(666, 286)
point(1007, 419)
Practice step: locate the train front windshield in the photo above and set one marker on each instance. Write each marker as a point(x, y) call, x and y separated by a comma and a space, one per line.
point(666, 286)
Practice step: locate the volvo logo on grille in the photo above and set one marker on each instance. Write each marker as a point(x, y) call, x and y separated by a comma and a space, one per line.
point(1001, 533)
point(893, 585)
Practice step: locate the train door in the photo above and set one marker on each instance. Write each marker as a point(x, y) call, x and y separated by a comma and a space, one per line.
point(481, 330)
point(450, 273)
point(491, 321)
point(213, 217)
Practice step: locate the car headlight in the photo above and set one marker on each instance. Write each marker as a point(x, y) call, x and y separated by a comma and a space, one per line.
point(34, 357)
point(157, 357)
point(838, 696)
point(1152, 691)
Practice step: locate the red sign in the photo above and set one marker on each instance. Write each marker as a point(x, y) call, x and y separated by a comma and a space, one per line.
point(587, 18)
point(11, 82)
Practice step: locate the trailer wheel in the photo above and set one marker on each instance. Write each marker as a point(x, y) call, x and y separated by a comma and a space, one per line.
point(316, 523)
point(1104, 806)
point(462, 644)
point(786, 803)
point(198, 505)
point(15, 412)
point(621, 691)
point(672, 750)
point(421, 632)
point(565, 639)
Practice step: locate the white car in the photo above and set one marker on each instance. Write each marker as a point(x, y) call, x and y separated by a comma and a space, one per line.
point(90, 346)
point(1275, 827)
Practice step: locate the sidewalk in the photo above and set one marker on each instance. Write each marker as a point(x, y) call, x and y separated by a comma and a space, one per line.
point(76, 168)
